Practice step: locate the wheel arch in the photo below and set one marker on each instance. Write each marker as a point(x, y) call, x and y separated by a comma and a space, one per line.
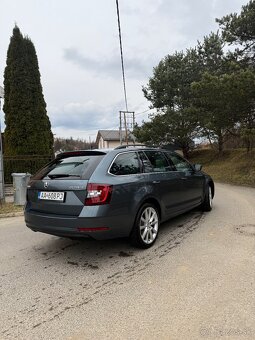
point(153, 201)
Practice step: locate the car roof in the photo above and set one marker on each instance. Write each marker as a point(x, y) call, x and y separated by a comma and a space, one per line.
point(102, 152)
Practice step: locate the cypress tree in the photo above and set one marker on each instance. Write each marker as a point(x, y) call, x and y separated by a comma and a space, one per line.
point(28, 128)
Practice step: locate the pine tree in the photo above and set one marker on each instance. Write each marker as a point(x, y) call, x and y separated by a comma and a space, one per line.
point(28, 128)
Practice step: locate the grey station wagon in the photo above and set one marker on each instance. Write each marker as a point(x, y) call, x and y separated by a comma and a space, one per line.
point(125, 192)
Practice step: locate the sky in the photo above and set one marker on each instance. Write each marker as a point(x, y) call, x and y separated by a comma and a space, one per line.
point(78, 52)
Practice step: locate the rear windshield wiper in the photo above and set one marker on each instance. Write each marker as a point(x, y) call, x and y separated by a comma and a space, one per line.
point(62, 175)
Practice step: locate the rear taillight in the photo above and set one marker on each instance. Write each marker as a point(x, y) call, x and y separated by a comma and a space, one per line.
point(98, 194)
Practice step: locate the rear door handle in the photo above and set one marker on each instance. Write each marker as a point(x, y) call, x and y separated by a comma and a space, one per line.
point(156, 182)
point(184, 178)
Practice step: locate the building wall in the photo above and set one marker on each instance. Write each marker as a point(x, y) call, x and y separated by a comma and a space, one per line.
point(104, 144)
point(113, 144)
point(101, 143)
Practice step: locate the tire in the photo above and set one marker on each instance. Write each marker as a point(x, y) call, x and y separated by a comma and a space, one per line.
point(145, 230)
point(207, 203)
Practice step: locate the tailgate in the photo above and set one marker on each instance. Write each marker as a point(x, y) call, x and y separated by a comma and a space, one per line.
point(57, 196)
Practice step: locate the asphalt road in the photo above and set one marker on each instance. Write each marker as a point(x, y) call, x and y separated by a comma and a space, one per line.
point(197, 282)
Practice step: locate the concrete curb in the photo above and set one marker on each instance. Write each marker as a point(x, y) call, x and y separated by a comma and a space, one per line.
point(14, 214)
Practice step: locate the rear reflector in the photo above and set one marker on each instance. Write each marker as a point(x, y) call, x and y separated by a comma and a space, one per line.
point(98, 194)
point(93, 229)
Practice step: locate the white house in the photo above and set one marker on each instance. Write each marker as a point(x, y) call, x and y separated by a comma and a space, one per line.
point(111, 138)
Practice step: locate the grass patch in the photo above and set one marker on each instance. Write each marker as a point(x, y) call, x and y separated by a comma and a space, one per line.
point(232, 166)
point(7, 208)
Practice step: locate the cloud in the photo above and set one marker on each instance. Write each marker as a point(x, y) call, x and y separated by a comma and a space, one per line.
point(84, 116)
point(110, 66)
point(167, 26)
point(80, 61)
point(141, 7)
point(85, 119)
point(89, 135)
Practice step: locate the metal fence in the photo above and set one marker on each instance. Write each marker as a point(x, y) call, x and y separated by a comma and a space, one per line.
point(25, 163)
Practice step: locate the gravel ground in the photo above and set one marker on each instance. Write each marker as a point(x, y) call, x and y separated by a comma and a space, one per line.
point(197, 282)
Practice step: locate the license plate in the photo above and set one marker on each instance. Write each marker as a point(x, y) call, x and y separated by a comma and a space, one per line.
point(51, 196)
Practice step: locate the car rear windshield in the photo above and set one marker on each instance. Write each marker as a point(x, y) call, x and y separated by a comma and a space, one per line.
point(73, 167)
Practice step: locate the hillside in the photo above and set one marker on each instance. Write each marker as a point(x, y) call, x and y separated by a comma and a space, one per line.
point(233, 166)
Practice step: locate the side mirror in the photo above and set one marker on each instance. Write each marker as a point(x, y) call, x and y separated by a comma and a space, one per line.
point(197, 167)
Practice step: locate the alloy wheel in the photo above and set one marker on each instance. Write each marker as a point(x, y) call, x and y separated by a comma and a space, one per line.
point(148, 225)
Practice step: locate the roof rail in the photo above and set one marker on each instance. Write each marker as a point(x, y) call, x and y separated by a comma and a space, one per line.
point(132, 146)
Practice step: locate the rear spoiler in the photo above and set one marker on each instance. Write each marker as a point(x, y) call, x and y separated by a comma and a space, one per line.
point(80, 153)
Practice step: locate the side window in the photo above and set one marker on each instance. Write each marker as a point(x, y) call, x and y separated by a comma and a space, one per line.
point(171, 164)
point(147, 167)
point(158, 161)
point(179, 162)
point(125, 164)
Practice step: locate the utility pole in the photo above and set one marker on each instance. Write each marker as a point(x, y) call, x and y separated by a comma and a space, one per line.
point(127, 123)
point(2, 196)
point(126, 117)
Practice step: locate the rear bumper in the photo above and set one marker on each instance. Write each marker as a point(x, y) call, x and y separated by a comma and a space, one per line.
point(68, 226)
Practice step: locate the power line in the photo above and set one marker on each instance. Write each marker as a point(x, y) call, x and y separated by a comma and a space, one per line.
point(121, 56)
point(139, 113)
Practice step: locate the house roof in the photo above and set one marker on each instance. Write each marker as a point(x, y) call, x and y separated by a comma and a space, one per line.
point(113, 135)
